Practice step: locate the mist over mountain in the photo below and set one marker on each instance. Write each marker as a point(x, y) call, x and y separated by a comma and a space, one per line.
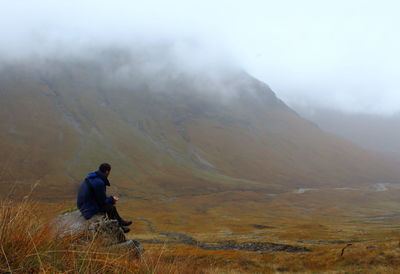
point(168, 127)
point(372, 131)
point(348, 60)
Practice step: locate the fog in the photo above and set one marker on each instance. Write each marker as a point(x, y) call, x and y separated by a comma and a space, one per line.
point(342, 54)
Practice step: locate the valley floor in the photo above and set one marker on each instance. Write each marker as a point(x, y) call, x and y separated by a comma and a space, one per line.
point(302, 231)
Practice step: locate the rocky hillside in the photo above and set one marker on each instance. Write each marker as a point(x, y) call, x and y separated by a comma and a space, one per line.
point(168, 130)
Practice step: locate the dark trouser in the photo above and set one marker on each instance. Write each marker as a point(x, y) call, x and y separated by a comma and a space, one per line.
point(112, 212)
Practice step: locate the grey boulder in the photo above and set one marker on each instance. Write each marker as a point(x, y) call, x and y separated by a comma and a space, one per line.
point(108, 232)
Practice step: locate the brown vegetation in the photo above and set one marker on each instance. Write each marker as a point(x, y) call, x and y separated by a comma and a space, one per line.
point(28, 245)
point(59, 119)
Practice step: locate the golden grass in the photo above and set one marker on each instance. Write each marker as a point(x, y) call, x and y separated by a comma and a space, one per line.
point(319, 220)
point(27, 245)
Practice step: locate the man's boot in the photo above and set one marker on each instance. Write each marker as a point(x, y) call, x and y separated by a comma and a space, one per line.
point(125, 229)
point(125, 223)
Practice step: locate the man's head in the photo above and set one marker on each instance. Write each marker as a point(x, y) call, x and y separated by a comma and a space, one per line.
point(105, 168)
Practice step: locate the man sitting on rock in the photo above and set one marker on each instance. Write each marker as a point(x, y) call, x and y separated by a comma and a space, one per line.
point(92, 198)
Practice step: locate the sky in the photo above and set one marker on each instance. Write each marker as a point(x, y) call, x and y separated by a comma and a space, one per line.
point(313, 53)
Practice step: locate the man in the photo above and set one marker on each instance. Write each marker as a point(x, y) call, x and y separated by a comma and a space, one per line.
point(92, 198)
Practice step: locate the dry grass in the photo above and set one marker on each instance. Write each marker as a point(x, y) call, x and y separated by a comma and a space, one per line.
point(329, 223)
point(27, 245)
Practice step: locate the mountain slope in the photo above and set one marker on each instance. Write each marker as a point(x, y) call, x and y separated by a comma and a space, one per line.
point(167, 131)
point(374, 132)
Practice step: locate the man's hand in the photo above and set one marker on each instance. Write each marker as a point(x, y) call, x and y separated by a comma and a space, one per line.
point(115, 198)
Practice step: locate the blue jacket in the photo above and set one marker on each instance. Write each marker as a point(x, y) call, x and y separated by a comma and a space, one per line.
point(92, 201)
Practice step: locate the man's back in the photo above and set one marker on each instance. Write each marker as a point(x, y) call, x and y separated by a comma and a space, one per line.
point(92, 194)
point(92, 197)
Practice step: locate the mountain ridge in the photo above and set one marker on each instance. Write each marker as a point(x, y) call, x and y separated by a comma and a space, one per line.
point(166, 130)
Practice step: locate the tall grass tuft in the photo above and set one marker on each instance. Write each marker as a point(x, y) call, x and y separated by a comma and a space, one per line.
point(28, 245)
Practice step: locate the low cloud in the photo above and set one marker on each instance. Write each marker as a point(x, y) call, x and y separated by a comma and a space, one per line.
point(341, 55)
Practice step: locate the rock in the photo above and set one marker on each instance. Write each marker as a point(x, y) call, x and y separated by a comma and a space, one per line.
point(98, 227)
point(134, 248)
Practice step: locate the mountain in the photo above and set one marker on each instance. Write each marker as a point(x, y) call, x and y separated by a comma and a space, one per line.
point(374, 132)
point(167, 129)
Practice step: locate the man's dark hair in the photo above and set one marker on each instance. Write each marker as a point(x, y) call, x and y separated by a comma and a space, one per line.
point(104, 167)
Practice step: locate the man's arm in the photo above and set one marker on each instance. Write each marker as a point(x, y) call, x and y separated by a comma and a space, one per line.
point(101, 197)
